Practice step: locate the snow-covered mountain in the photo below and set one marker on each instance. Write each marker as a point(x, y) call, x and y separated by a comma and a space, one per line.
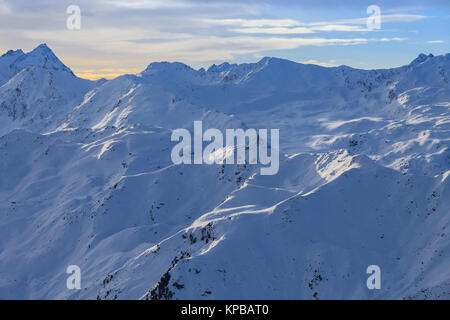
point(86, 179)
point(37, 90)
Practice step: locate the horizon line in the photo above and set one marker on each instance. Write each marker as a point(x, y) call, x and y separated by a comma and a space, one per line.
point(101, 76)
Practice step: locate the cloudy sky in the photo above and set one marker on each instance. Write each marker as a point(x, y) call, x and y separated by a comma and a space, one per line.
point(124, 36)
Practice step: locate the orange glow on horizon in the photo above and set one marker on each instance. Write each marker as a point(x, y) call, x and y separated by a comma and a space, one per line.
point(105, 73)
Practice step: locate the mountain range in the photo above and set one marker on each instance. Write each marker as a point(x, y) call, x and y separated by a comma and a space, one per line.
point(86, 179)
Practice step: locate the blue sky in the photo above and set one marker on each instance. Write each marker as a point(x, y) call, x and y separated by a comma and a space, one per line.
point(119, 36)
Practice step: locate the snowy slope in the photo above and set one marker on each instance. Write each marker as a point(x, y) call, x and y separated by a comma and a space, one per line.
point(86, 178)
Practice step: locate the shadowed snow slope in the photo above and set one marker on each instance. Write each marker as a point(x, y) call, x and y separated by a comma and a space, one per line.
point(86, 179)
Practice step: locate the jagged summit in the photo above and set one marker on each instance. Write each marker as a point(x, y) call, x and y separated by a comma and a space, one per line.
point(43, 47)
point(422, 58)
point(10, 53)
point(43, 50)
point(41, 56)
point(225, 66)
point(12, 62)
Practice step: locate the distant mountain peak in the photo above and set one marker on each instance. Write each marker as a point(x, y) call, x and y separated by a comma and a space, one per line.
point(44, 51)
point(422, 58)
point(166, 66)
point(41, 56)
point(43, 46)
point(225, 66)
point(13, 53)
point(266, 60)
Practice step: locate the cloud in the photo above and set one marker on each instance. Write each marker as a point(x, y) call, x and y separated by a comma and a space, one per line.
point(278, 30)
point(299, 30)
point(150, 4)
point(252, 22)
point(184, 6)
point(388, 39)
point(291, 26)
point(107, 73)
point(319, 63)
point(384, 19)
point(405, 8)
point(339, 27)
point(4, 9)
point(436, 41)
point(298, 23)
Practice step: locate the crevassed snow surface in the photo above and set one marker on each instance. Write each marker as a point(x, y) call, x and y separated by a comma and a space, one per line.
point(86, 179)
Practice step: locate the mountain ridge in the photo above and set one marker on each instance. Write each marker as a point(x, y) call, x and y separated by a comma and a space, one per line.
point(225, 66)
point(86, 179)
